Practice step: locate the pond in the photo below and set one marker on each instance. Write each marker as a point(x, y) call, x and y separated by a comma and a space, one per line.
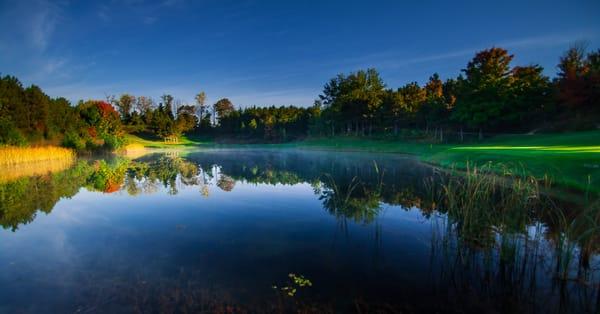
point(287, 231)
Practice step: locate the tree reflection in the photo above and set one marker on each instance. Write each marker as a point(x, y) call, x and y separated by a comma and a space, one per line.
point(226, 183)
point(21, 198)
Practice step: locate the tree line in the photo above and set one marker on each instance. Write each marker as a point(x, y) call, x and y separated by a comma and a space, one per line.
point(490, 95)
point(170, 119)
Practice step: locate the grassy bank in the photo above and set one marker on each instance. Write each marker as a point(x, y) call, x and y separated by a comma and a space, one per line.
point(150, 141)
point(10, 156)
point(570, 159)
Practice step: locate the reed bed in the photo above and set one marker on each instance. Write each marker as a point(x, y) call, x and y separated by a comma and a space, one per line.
point(483, 202)
point(18, 155)
point(483, 205)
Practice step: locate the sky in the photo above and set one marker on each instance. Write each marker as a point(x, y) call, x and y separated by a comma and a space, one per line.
point(271, 52)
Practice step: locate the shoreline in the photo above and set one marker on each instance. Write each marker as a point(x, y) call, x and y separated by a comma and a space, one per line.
point(568, 160)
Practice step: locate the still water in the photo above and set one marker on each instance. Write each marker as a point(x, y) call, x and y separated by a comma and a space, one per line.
point(274, 231)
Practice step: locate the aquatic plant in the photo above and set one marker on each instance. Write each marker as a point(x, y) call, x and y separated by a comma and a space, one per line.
point(573, 233)
point(480, 202)
point(499, 224)
point(354, 198)
point(297, 282)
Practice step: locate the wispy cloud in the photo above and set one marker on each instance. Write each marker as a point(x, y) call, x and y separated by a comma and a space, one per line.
point(103, 13)
point(171, 3)
point(292, 96)
point(32, 23)
point(53, 66)
point(43, 24)
point(149, 20)
point(548, 40)
point(30, 27)
point(396, 59)
point(146, 12)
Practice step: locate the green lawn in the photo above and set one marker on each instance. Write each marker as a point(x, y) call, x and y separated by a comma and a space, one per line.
point(571, 160)
point(150, 141)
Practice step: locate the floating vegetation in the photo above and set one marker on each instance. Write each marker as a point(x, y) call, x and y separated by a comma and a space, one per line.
point(296, 282)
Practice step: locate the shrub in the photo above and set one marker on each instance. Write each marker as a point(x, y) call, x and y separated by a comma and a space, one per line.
point(90, 145)
point(72, 140)
point(112, 142)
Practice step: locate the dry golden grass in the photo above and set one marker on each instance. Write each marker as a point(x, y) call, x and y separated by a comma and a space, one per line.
point(18, 155)
point(12, 172)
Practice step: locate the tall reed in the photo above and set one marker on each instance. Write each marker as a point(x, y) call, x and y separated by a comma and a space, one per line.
point(482, 202)
point(484, 207)
point(16, 155)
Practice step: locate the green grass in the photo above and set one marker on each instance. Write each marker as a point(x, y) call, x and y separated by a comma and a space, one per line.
point(150, 141)
point(571, 160)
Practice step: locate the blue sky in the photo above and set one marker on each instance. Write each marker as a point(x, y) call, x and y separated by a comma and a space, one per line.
point(270, 52)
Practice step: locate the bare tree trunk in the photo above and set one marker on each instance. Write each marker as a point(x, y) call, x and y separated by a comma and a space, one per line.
point(480, 134)
point(461, 135)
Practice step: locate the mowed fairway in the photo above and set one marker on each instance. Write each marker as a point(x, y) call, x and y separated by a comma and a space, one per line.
point(570, 160)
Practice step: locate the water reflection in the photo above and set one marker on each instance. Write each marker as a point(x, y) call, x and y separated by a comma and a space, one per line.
point(491, 245)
